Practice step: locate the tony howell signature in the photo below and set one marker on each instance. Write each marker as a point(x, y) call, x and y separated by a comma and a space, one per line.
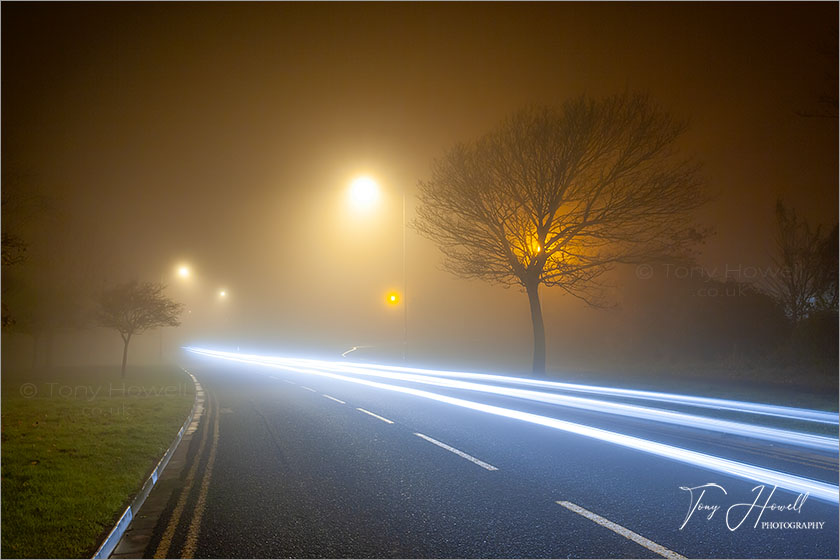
point(737, 513)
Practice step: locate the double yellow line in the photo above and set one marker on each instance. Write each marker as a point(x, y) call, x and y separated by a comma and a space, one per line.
point(188, 550)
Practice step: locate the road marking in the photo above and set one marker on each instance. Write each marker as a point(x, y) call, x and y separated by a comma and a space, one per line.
point(334, 399)
point(308, 388)
point(289, 382)
point(273, 377)
point(458, 452)
point(623, 531)
point(165, 543)
point(188, 550)
point(375, 415)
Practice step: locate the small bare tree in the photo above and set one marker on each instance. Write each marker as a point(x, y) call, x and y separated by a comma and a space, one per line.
point(555, 197)
point(805, 262)
point(135, 307)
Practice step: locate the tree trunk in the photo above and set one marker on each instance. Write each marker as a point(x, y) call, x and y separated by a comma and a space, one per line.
point(125, 355)
point(538, 328)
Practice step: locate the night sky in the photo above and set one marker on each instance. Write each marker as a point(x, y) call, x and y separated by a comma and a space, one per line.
point(225, 135)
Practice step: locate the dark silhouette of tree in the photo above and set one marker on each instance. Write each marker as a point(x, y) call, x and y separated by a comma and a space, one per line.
point(556, 197)
point(135, 307)
point(827, 278)
point(805, 276)
point(13, 253)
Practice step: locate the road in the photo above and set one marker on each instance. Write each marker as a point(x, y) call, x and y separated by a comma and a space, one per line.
point(306, 460)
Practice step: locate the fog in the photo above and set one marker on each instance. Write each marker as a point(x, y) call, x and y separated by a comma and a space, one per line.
point(140, 137)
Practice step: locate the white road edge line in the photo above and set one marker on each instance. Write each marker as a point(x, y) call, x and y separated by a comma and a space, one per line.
point(333, 399)
point(457, 452)
point(623, 531)
point(375, 415)
point(308, 388)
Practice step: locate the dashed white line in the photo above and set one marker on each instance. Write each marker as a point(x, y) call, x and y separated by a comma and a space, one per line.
point(308, 388)
point(375, 415)
point(273, 377)
point(289, 382)
point(458, 452)
point(623, 531)
point(333, 399)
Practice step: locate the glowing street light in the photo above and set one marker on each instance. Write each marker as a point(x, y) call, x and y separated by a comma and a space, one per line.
point(392, 298)
point(184, 271)
point(364, 193)
point(223, 293)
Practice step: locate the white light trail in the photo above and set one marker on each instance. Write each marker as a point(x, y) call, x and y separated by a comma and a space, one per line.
point(817, 489)
point(789, 437)
point(819, 416)
point(812, 441)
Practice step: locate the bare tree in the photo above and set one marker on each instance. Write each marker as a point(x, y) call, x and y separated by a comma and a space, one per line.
point(805, 262)
point(556, 197)
point(827, 279)
point(13, 253)
point(135, 307)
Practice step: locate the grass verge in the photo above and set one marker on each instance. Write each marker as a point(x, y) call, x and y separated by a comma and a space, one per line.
point(77, 444)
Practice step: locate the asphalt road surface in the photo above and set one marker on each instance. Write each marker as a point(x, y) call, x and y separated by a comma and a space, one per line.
point(288, 462)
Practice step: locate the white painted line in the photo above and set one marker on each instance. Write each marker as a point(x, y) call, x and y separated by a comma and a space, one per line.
point(458, 452)
point(273, 377)
point(308, 389)
point(289, 382)
point(374, 415)
point(339, 401)
point(623, 531)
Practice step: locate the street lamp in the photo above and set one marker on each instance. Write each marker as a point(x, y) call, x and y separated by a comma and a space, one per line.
point(183, 272)
point(364, 194)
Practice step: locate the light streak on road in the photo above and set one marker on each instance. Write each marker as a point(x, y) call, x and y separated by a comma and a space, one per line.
point(812, 441)
point(804, 414)
point(789, 437)
point(817, 489)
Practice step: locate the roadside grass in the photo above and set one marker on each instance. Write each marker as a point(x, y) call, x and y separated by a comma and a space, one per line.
point(77, 444)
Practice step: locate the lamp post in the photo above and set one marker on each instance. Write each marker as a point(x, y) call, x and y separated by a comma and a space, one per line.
point(405, 281)
point(183, 271)
point(364, 193)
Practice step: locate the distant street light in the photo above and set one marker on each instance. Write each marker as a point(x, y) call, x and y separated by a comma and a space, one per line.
point(184, 271)
point(223, 294)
